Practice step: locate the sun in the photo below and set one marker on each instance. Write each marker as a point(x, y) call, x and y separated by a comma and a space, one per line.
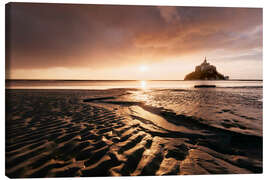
point(143, 68)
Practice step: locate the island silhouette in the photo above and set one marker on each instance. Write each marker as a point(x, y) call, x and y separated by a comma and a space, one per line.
point(205, 71)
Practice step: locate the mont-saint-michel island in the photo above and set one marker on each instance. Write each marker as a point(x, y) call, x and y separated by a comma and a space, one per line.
point(205, 71)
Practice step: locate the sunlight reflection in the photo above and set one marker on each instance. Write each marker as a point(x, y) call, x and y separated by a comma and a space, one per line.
point(143, 84)
point(141, 95)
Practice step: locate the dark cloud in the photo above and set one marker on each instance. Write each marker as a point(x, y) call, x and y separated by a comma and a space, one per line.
point(59, 35)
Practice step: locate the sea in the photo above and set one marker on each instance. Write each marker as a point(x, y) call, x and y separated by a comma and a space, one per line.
point(109, 84)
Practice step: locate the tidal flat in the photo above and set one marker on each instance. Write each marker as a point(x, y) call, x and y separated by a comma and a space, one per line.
point(132, 132)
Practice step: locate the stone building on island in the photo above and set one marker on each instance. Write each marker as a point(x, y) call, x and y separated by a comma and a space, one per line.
point(205, 71)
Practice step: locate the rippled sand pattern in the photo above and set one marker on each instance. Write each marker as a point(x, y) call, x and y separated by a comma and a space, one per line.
point(56, 134)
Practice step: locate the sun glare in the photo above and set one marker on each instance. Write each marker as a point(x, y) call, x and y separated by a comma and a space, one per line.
point(144, 68)
point(143, 84)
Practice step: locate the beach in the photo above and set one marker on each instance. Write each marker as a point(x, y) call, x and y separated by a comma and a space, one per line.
point(132, 132)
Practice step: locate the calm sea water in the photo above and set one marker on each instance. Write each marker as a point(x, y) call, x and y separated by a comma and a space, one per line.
point(104, 84)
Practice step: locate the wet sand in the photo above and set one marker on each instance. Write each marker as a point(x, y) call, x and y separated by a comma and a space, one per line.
point(70, 133)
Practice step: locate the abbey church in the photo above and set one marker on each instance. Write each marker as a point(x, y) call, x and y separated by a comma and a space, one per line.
point(205, 71)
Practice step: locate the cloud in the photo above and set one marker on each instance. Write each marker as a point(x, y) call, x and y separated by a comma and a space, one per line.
point(206, 28)
point(169, 13)
point(46, 36)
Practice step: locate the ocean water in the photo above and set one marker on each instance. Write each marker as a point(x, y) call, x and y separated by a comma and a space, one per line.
point(108, 84)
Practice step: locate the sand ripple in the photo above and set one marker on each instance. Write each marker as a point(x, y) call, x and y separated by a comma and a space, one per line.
point(54, 134)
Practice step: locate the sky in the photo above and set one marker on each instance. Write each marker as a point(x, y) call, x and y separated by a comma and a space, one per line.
point(114, 42)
